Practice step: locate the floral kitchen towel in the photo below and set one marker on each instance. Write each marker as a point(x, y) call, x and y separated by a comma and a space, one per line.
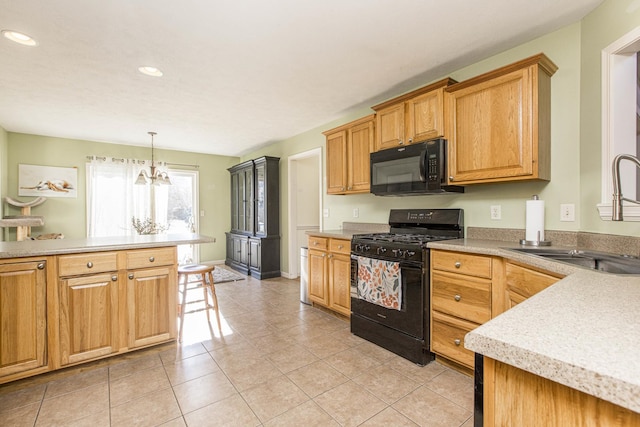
point(379, 282)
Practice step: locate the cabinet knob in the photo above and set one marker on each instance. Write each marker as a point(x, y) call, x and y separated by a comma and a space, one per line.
point(340, 246)
point(342, 188)
point(450, 177)
point(114, 278)
point(89, 264)
point(131, 276)
point(401, 142)
point(151, 259)
point(410, 140)
point(316, 243)
point(41, 266)
point(457, 298)
point(324, 255)
point(456, 342)
point(349, 188)
point(330, 256)
point(458, 264)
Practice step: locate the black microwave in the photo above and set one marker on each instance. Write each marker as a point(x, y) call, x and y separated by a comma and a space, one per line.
point(414, 169)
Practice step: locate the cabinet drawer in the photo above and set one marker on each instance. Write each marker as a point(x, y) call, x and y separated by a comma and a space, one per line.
point(318, 242)
point(150, 258)
point(461, 296)
point(456, 262)
point(340, 246)
point(527, 282)
point(75, 265)
point(447, 338)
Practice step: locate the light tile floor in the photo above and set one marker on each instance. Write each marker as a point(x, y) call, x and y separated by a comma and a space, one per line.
point(275, 362)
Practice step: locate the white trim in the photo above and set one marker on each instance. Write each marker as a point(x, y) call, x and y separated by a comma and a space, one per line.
point(613, 62)
point(293, 227)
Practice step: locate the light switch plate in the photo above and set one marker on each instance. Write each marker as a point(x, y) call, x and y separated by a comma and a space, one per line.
point(325, 212)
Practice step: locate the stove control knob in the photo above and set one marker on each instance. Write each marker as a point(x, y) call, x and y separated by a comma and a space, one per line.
point(357, 247)
point(397, 252)
point(367, 247)
point(409, 253)
point(381, 250)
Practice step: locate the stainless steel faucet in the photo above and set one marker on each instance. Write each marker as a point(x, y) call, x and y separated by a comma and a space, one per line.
point(616, 213)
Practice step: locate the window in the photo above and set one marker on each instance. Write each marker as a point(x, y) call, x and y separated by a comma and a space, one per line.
point(621, 120)
point(113, 200)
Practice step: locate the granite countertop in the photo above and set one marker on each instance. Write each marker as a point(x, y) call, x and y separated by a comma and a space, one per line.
point(583, 331)
point(335, 234)
point(29, 248)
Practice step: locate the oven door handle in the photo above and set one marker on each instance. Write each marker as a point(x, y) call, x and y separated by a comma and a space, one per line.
point(423, 171)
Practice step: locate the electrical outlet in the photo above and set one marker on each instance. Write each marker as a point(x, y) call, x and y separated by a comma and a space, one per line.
point(202, 212)
point(567, 212)
point(356, 212)
point(496, 212)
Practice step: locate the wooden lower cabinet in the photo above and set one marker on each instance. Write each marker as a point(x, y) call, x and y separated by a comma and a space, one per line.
point(513, 397)
point(151, 305)
point(68, 309)
point(330, 273)
point(23, 318)
point(88, 317)
point(461, 287)
point(339, 283)
point(522, 282)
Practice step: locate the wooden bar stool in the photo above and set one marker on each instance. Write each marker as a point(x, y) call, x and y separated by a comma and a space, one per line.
point(205, 282)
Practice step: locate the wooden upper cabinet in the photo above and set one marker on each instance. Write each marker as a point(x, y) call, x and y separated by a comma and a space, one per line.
point(413, 117)
point(498, 124)
point(337, 162)
point(348, 149)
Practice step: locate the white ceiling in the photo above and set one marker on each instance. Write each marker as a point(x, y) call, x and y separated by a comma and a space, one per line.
point(239, 74)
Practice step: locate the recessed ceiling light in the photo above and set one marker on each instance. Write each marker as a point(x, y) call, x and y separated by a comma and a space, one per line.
point(150, 71)
point(19, 38)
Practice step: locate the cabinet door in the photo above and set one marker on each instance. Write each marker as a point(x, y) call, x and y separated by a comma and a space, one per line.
point(235, 201)
point(390, 127)
point(337, 163)
point(425, 116)
point(254, 254)
point(318, 277)
point(260, 195)
point(23, 323)
point(340, 283)
point(492, 130)
point(359, 148)
point(523, 283)
point(246, 222)
point(88, 317)
point(151, 305)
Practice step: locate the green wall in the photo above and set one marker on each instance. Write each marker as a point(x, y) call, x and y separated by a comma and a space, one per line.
point(606, 24)
point(68, 216)
point(575, 140)
point(4, 165)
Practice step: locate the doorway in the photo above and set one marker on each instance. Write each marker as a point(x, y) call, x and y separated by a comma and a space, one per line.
point(305, 202)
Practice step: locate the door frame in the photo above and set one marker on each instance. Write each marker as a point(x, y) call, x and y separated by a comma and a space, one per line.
point(293, 205)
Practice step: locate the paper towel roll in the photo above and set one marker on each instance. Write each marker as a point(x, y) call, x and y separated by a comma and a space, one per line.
point(534, 220)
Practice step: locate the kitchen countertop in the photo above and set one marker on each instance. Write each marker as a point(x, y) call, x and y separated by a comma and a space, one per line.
point(29, 248)
point(583, 331)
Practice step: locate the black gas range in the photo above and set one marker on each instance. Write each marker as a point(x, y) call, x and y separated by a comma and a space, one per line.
point(403, 330)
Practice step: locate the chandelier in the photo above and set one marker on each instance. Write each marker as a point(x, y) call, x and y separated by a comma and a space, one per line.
point(156, 177)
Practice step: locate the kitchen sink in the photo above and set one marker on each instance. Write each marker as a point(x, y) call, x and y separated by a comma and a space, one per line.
point(602, 261)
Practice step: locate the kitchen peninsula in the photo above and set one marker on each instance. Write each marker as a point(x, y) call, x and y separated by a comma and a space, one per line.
point(65, 302)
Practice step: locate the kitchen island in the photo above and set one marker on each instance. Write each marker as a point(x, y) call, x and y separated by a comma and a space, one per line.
point(566, 356)
point(65, 302)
